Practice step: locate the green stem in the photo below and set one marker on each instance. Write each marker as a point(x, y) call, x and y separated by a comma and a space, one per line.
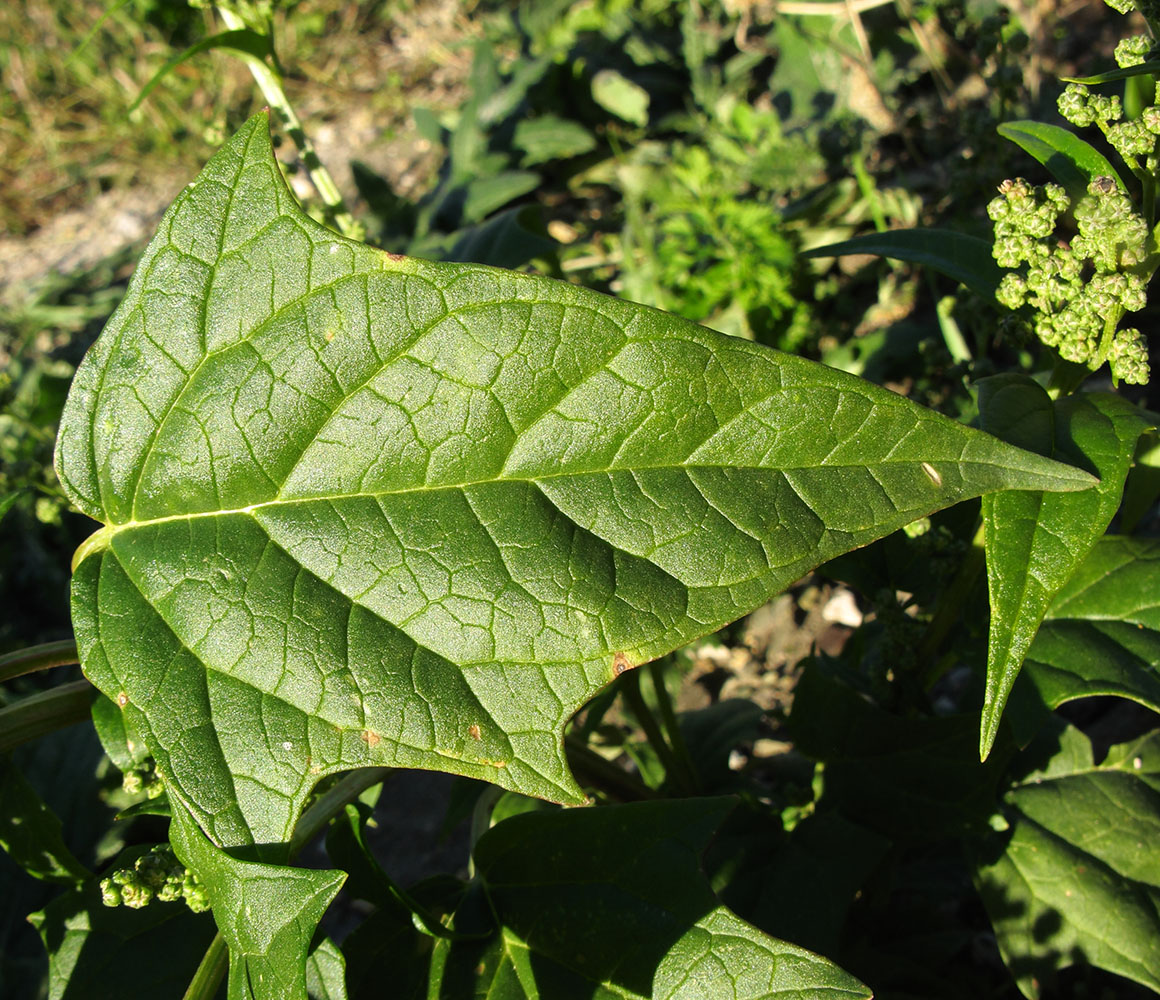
point(686, 772)
point(950, 607)
point(592, 769)
point(314, 819)
point(40, 714)
point(269, 80)
point(648, 722)
point(481, 820)
point(43, 657)
point(214, 963)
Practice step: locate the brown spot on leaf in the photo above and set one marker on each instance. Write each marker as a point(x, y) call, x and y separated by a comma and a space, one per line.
point(473, 732)
point(370, 737)
point(620, 663)
point(122, 699)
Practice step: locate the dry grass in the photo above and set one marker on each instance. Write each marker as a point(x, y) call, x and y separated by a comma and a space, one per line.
point(66, 134)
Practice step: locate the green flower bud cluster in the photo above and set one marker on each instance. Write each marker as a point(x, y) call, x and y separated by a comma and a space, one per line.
point(1083, 108)
point(156, 875)
point(1131, 139)
point(144, 779)
point(1133, 51)
point(1077, 292)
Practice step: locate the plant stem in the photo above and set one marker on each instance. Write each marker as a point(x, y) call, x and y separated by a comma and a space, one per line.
point(603, 775)
point(269, 80)
point(652, 731)
point(314, 819)
point(686, 772)
point(43, 657)
point(214, 963)
point(39, 714)
point(481, 821)
point(950, 606)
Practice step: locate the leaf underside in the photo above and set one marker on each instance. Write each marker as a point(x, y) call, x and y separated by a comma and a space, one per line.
point(360, 509)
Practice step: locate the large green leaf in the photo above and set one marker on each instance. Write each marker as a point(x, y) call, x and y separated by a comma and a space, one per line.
point(361, 509)
point(1101, 635)
point(1078, 879)
point(610, 903)
point(1034, 540)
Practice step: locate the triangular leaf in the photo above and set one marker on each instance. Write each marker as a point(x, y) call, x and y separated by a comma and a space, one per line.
point(361, 509)
point(266, 913)
point(1034, 541)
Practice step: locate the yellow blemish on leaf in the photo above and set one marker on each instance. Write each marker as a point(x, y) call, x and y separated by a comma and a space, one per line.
point(370, 737)
point(473, 732)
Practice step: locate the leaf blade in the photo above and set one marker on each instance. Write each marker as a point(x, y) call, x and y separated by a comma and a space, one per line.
point(967, 259)
point(1072, 161)
point(1034, 541)
point(392, 512)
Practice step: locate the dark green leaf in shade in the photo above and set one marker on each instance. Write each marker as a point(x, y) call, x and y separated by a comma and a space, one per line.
point(266, 913)
point(907, 778)
point(1077, 879)
point(30, 832)
point(610, 902)
point(1101, 635)
point(96, 952)
point(1071, 161)
point(369, 510)
point(6, 502)
point(966, 259)
point(326, 973)
point(1034, 541)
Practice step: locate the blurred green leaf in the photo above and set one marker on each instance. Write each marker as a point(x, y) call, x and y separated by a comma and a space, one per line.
point(242, 40)
point(616, 93)
point(550, 137)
